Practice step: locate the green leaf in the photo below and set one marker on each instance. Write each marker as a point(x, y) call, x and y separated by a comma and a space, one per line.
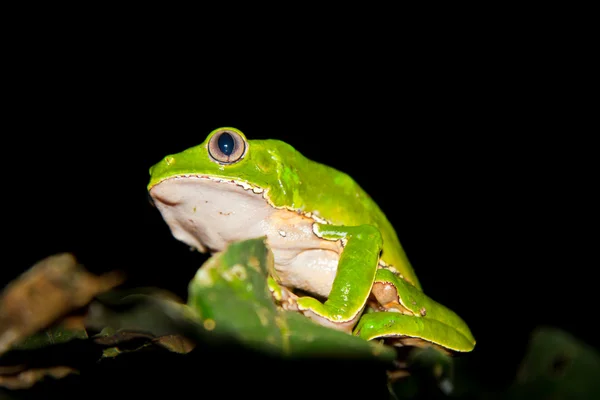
point(54, 335)
point(232, 299)
point(557, 365)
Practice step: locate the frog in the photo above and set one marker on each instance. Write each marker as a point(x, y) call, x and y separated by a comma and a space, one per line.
point(337, 258)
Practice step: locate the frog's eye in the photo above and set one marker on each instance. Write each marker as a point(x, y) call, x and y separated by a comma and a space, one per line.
point(226, 147)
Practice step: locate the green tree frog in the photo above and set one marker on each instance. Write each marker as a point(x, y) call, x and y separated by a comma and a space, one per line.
point(337, 258)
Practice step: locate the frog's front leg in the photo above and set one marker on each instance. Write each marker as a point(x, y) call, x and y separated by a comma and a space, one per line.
point(354, 277)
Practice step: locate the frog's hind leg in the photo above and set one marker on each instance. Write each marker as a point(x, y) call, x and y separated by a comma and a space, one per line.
point(354, 277)
point(413, 318)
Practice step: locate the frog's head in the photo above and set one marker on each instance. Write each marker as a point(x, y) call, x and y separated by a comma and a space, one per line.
point(225, 154)
point(220, 190)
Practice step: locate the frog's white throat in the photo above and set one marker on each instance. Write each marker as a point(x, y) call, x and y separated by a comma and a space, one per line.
point(208, 213)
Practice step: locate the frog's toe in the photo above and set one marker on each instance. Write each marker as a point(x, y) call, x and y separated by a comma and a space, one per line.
point(344, 326)
point(327, 316)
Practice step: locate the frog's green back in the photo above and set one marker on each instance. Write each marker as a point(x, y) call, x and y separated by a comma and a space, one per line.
point(308, 186)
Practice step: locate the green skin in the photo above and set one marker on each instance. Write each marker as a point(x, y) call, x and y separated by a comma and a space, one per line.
point(345, 211)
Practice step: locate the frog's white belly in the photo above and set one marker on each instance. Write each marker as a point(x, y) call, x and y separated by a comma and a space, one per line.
point(208, 214)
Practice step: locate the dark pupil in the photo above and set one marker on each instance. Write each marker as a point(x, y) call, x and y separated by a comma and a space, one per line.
point(226, 143)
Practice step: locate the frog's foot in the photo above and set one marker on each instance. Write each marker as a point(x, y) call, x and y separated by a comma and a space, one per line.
point(396, 307)
point(396, 294)
point(289, 301)
point(327, 316)
point(283, 296)
point(353, 279)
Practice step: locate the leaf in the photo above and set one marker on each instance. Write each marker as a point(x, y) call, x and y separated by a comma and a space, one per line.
point(231, 297)
point(27, 378)
point(557, 365)
point(175, 343)
point(136, 319)
point(64, 331)
point(431, 375)
point(148, 324)
point(124, 341)
point(52, 288)
point(34, 319)
point(149, 310)
point(55, 352)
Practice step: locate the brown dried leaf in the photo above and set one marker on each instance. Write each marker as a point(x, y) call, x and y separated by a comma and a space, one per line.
point(122, 337)
point(121, 342)
point(26, 378)
point(176, 343)
point(52, 288)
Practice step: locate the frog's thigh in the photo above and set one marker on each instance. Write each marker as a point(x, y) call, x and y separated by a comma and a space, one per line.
point(354, 277)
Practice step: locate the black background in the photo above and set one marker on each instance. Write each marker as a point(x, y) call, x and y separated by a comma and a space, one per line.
point(479, 156)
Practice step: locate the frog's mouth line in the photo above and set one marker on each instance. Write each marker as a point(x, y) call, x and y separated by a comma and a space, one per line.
point(245, 185)
point(242, 184)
